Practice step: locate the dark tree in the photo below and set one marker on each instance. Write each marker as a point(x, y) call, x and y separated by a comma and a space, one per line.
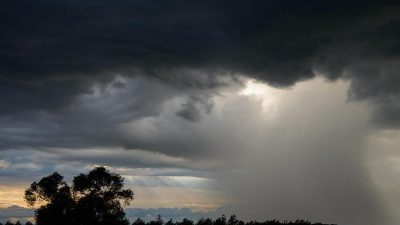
point(28, 223)
point(18, 223)
point(233, 220)
point(157, 221)
point(57, 194)
point(170, 222)
point(220, 221)
point(139, 221)
point(96, 198)
point(9, 223)
point(203, 221)
point(100, 194)
point(186, 222)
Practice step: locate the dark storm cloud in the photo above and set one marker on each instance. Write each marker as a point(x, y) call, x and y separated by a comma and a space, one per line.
point(92, 119)
point(378, 82)
point(53, 51)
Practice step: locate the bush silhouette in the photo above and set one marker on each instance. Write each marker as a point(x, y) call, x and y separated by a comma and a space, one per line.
point(95, 198)
point(139, 221)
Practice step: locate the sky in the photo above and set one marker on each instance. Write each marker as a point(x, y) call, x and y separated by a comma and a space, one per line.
point(263, 109)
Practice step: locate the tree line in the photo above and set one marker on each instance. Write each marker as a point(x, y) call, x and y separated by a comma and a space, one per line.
point(206, 221)
point(221, 221)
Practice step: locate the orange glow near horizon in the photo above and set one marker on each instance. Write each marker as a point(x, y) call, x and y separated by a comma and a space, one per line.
point(12, 195)
point(145, 197)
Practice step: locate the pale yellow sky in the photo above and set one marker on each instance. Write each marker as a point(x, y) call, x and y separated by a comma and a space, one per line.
point(12, 195)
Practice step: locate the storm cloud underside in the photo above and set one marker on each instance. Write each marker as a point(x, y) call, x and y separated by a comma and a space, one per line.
point(58, 50)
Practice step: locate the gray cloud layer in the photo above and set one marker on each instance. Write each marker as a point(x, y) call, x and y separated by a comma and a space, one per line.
point(53, 52)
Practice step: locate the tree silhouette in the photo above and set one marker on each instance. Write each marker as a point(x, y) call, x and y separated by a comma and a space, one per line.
point(187, 222)
point(233, 220)
point(157, 221)
point(95, 198)
point(220, 221)
point(170, 222)
point(57, 194)
point(139, 221)
point(99, 198)
point(203, 221)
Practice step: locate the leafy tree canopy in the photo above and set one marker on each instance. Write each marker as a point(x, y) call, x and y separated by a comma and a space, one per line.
point(96, 198)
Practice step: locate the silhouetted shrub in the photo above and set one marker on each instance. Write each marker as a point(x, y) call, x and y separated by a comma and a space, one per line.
point(157, 221)
point(186, 222)
point(139, 221)
point(220, 221)
point(203, 221)
point(170, 222)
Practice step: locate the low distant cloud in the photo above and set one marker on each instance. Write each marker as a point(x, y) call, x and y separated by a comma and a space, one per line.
point(14, 213)
point(4, 164)
point(176, 214)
